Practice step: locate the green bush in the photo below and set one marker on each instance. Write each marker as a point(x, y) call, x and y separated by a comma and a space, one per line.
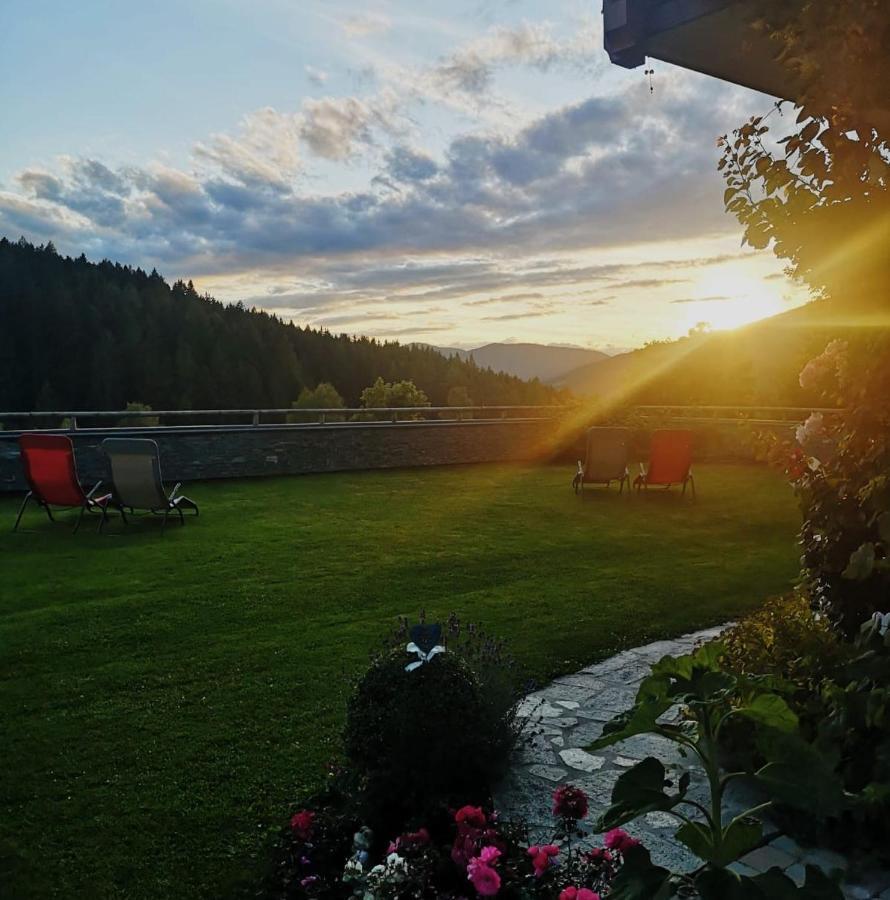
point(785, 638)
point(421, 738)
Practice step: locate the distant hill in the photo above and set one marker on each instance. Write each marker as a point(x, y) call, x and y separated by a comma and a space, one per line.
point(81, 335)
point(527, 361)
point(755, 364)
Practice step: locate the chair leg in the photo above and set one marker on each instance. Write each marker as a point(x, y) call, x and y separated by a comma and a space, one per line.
point(181, 517)
point(692, 486)
point(83, 509)
point(18, 518)
point(102, 520)
point(164, 523)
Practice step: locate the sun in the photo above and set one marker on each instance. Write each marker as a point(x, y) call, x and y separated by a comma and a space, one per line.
point(730, 295)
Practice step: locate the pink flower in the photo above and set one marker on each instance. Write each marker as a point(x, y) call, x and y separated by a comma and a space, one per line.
point(620, 840)
point(542, 857)
point(569, 802)
point(573, 893)
point(485, 879)
point(489, 855)
point(598, 853)
point(308, 881)
point(411, 840)
point(301, 824)
point(470, 815)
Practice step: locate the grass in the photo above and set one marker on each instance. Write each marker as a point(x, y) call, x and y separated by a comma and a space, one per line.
point(166, 700)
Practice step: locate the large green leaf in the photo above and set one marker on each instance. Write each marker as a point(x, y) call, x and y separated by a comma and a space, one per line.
point(770, 710)
point(740, 836)
point(638, 791)
point(652, 700)
point(798, 775)
point(721, 884)
point(640, 879)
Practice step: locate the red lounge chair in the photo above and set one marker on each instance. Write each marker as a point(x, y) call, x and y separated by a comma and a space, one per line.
point(670, 461)
point(48, 461)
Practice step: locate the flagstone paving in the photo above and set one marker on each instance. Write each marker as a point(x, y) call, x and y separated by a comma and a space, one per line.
point(565, 717)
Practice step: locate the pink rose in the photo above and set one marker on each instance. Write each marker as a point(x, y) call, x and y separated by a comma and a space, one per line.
point(542, 857)
point(489, 855)
point(573, 893)
point(620, 840)
point(484, 878)
point(470, 815)
point(569, 802)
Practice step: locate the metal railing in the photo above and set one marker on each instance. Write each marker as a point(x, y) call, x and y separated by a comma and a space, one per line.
point(732, 415)
point(69, 420)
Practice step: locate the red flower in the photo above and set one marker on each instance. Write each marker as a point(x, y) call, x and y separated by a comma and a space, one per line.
point(620, 840)
point(573, 893)
point(470, 815)
point(301, 824)
point(542, 856)
point(569, 803)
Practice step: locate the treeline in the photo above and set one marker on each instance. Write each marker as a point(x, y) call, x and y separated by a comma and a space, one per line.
point(81, 335)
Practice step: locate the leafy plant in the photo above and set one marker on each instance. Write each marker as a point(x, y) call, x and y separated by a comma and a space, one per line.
point(408, 722)
point(794, 772)
point(785, 638)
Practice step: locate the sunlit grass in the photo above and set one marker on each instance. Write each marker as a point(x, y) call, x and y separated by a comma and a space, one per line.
point(166, 699)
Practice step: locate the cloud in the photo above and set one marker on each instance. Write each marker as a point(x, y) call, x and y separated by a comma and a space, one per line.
point(318, 77)
point(701, 299)
point(332, 127)
point(264, 152)
point(364, 24)
point(471, 68)
point(504, 211)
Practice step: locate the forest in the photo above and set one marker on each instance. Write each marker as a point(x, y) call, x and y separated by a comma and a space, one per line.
point(81, 335)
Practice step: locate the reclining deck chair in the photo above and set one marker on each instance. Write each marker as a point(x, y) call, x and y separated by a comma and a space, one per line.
point(51, 473)
point(606, 459)
point(670, 462)
point(136, 476)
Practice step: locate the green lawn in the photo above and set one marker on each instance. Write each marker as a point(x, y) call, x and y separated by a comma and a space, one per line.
point(165, 699)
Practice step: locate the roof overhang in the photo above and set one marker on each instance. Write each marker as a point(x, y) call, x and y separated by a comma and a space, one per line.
point(709, 36)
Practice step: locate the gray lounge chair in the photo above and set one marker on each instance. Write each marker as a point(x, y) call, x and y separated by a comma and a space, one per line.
point(136, 475)
point(606, 459)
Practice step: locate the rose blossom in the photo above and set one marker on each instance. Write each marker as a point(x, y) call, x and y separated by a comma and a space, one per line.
point(542, 856)
point(569, 802)
point(470, 815)
point(485, 879)
point(620, 840)
point(301, 824)
point(573, 893)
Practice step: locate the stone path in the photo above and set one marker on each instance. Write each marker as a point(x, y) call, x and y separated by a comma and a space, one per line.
point(568, 714)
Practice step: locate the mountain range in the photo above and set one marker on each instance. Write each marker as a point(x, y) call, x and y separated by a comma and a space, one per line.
point(545, 362)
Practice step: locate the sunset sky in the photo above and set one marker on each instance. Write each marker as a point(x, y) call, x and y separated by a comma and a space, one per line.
point(456, 173)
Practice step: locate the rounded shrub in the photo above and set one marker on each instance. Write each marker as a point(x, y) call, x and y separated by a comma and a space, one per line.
point(425, 737)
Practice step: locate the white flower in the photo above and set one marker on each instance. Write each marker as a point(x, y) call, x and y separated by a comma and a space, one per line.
point(882, 622)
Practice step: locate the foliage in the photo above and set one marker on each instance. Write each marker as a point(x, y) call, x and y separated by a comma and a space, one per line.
point(711, 697)
point(382, 394)
point(322, 396)
point(820, 196)
point(138, 421)
point(470, 851)
point(785, 638)
point(838, 466)
point(81, 335)
point(458, 396)
point(406, 725)
point(853, 728)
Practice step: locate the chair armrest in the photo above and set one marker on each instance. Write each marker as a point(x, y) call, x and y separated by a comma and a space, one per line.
point(172, 494)
point(94, 488)
point(580, 468)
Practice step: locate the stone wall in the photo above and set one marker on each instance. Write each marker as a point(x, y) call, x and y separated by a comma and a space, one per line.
point(194, 453)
